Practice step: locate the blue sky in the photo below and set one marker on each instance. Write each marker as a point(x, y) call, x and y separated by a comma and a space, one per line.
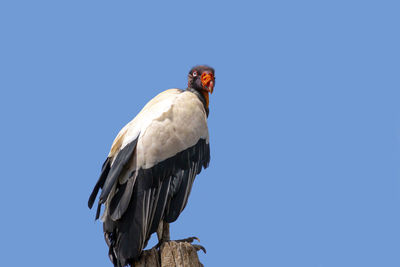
point(304, 125)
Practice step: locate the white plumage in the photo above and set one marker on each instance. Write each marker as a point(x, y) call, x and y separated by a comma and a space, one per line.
point(148, 174)
point(169, 123)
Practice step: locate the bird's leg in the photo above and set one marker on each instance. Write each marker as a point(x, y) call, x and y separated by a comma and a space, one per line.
point(165, 231)
point(162, 233)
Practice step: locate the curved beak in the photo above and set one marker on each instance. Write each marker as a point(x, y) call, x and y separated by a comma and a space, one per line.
point(207, 80)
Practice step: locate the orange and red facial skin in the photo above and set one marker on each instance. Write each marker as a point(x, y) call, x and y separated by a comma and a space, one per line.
point(207, 80)
point(202, 79)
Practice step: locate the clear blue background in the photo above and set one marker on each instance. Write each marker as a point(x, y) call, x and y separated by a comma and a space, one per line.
point(304, 125)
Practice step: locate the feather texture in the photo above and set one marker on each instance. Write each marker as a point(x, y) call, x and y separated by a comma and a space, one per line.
point(150, 170)
point(119, 163)
point(104, 172)
point(159, 193)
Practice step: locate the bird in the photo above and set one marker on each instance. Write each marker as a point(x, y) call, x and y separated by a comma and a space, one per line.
point(147, 177)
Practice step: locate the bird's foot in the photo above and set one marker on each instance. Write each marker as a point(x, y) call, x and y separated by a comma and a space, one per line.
point(190, 241)
point(198, 247)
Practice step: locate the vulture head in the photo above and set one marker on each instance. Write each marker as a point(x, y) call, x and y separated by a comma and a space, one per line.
point(202, 79)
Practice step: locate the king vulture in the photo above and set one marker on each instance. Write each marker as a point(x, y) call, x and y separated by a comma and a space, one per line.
point(147, 177)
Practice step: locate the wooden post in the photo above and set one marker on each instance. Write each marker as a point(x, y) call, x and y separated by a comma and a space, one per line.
point(170, 254)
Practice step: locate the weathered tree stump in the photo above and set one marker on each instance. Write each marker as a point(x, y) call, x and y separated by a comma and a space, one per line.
point(170, 254)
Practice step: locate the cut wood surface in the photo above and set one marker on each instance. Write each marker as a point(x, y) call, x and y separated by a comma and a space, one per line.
point(170, 254)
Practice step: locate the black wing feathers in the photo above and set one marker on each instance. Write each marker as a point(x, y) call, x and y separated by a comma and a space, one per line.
point(161, 203)
point(149, 196)
point(119, 163)
point(180, 195)
point(104, 172)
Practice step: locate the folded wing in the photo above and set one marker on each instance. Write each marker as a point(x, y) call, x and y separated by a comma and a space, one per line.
point(150, 170)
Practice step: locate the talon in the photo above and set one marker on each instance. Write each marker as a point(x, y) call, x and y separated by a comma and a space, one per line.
point(190, 241)
point(199, 247)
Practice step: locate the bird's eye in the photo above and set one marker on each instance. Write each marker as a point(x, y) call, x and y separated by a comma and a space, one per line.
point(194, 74)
